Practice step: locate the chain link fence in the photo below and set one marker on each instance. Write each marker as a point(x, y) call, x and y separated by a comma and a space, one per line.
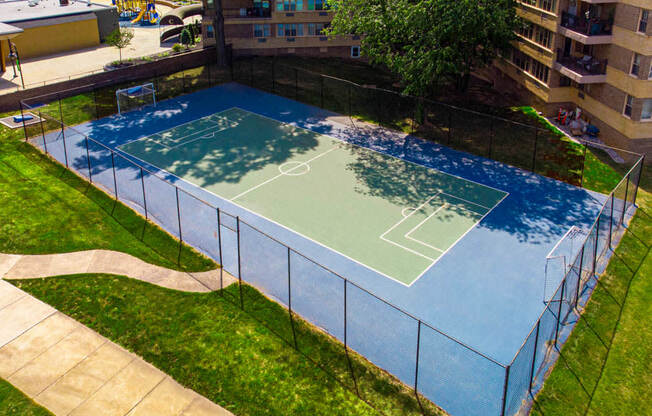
point(437, 366)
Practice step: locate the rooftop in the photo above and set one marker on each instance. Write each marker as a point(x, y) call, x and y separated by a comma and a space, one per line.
point(8, 31)
point(14, 11)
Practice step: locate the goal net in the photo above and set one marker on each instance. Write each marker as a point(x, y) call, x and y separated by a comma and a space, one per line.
point(560, 259)
point(135, 97)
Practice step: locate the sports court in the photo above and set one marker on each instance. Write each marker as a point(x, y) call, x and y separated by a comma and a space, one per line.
point(397, 246)
point(323, 189)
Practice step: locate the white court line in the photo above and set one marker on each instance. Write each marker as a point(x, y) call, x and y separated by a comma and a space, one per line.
point(407, 235)
point(163, 173)
point(282, 174)
point(470, 202)
point(382, 236)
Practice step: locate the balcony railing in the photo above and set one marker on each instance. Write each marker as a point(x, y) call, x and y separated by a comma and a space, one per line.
point(585, 65)
point(588, 27)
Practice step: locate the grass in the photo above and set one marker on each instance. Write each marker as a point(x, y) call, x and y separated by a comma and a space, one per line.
point(47, 209)
point(605, 367)
point(244, 361)
point(14, 403)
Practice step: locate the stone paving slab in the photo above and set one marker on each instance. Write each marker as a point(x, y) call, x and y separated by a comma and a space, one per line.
point(53, 364)
point(34, 342)
point(168, 398)
point(21, 315)
point(71, 370)
point(109, 262)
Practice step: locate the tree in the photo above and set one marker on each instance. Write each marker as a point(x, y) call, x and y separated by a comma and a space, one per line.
point(120, 38)
point(186, 37)
point(428, 42)
point(220, 38)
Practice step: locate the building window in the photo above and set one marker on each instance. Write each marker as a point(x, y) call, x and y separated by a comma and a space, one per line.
point(540, 71)
point(629, 100)
point(548, 5)
point(317, 5)
point(290, 29)
point(210, 32)
point(636, 64)
point(526, 30)
point(544, 37)
point(355, 51)
point(289, 5)
point(243, 12)
point(564, 81)
point(210, 4)
point(642, 23)
point(262, 31)
point(650, 74)
point(646, 113)
point(316, 29)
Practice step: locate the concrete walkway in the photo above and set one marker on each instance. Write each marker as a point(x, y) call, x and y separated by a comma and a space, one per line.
point(70, 369)
point(16, 266)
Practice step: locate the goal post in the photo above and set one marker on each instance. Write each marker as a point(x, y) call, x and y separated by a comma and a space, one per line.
point(559, 260)
point(135, 97)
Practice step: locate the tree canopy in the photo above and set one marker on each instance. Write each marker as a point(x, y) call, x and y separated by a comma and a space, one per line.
point(427, 42)
point(120, 38)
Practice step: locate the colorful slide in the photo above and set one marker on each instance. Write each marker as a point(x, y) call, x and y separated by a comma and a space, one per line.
point(140, 16)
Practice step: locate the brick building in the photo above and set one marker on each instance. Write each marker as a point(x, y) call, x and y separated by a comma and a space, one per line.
point(592, 54)
point(278, 27)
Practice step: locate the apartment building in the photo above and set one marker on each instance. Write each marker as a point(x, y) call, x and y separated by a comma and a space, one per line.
point(278, 27)
point(592, 54)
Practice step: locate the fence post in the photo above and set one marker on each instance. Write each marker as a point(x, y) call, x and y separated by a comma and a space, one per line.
point(611, 218)
point(45, 144)
point(534, 153)
point(583, 165)
point(176, 189)
point(561, 300)
point(88, 159)
point(350, 109)
point(183, 80)
point(237, 221)
point(534, 356)
point(296, 84)
point(505, 388)
point(97, 110)
point(622, 216)
point(595, 246)
point(208, 67)
point(450, 126)
point(219, 246)
point(251, 72)
point(579, 277)
point(115, 181)
point(274, 75)
point(416, 371)
point(294, 335)
point(63, 133)
point(321, 90)
point(641, 163)
point(22, 115)
point(491, 136)
point(142, 182)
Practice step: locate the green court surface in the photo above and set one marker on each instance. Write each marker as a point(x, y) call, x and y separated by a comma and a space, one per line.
point(390, 215)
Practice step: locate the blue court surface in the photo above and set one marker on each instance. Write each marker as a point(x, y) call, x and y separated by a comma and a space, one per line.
point(486, 288)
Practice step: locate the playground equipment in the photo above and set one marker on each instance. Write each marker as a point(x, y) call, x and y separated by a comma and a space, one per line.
point(137, 11)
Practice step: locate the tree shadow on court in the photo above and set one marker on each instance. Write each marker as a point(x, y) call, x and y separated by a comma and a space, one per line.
point(536, 210)
point(236, 156)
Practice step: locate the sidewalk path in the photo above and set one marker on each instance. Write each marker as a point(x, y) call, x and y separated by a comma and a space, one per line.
point(16, 266)
point(70, 369)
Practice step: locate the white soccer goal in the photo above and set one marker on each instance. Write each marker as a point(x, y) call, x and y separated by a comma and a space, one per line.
point(559, 260)
point(135, 97)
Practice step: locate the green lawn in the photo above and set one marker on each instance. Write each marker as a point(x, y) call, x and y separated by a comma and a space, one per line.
point(14, 403)
point(605, 367)
point(47, 209)
point(244, 361)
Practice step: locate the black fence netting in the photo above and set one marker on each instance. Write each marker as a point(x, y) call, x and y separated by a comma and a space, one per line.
point(319, 301)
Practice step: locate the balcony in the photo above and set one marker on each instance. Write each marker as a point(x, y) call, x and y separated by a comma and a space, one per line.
point(591, 31)
point(583, 70)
